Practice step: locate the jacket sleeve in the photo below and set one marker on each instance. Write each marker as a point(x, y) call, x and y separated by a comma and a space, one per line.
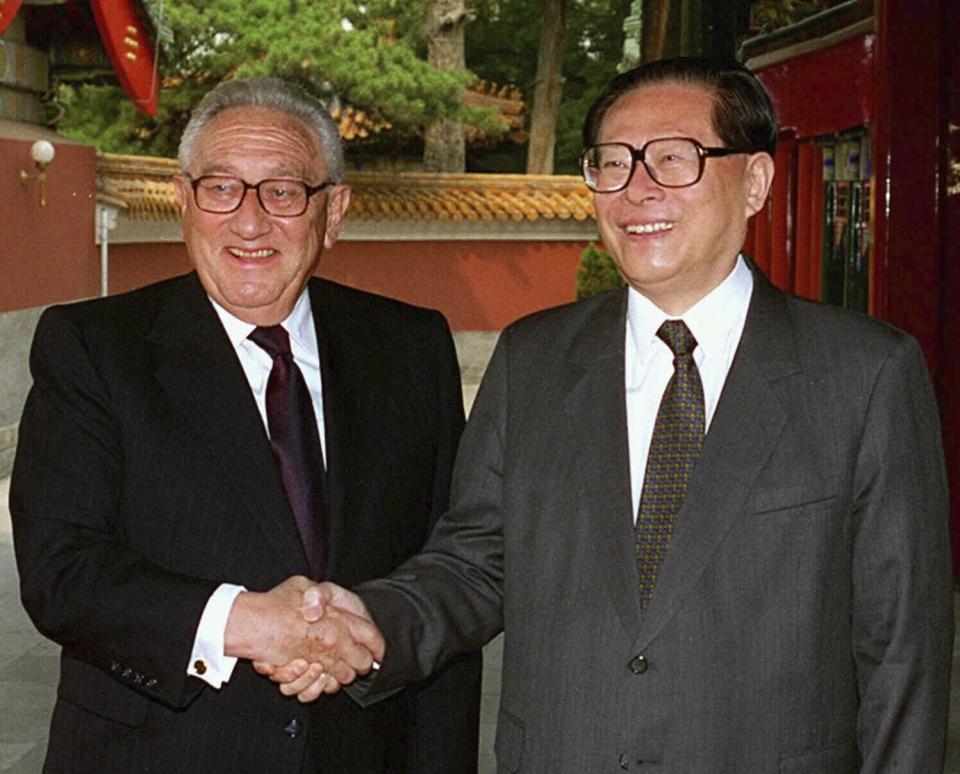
point(448, 703)
point(455, 604)
point(81, 584)
point(902, 576)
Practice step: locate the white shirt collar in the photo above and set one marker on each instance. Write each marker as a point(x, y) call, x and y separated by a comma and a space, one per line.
point(299, 324)
point(710, 320)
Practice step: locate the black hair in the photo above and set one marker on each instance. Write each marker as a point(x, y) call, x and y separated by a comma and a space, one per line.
point(743, 115)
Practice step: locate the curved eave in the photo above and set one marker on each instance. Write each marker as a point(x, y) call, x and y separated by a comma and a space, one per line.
point(130, 50)
point(8, 10)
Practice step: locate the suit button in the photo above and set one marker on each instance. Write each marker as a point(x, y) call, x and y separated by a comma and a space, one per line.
point(293, 728)
point(638, 665)
point(624, 762)
point(137, 678)
point(115, 667)
point(127, 673)
point(151, 682)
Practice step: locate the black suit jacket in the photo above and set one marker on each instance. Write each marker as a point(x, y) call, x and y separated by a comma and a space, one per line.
point(144, 478)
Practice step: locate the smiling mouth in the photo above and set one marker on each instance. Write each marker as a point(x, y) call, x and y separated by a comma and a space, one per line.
point(264, 252)
point(649, 228)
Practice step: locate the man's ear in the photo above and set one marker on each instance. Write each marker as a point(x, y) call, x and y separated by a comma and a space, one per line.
point(181, 189)
point(338, 200)
point(759, 177)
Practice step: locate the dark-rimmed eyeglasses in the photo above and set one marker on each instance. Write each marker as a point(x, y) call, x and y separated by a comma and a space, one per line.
point(673, 162)
point(283, 197)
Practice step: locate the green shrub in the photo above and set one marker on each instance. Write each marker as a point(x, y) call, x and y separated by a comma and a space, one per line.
point(597, 273)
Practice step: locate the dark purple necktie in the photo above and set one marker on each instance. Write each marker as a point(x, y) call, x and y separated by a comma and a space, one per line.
point(296, 444)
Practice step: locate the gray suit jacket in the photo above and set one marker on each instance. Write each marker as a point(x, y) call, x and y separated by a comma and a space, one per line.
point(802, 620)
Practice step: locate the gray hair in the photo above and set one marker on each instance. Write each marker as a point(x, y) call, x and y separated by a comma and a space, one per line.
point(275, 94)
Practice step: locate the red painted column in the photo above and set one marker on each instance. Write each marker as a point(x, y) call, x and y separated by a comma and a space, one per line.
point(906, 127)
point(948, 370)
point(782, 224)
point(761, 237)
point(809, 223)
point(917, 278)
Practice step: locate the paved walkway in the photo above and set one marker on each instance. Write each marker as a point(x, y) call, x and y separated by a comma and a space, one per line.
point(28, 668)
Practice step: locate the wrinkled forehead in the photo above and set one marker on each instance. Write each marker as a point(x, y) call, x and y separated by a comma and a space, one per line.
point(254, 143)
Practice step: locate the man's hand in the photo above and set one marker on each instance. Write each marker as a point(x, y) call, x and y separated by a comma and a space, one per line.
point(340, 614)
point(274, 628)
point(320, 597)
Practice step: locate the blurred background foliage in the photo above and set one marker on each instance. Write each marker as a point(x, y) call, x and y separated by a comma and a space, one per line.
point(370, 56)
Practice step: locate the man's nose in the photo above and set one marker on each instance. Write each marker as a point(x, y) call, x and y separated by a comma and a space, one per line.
point(642, 184)
point(250, 220)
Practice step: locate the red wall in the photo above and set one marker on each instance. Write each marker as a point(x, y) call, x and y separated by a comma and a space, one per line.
point(47, 253)
point(135, 265)
point(825, 90)
point(479, 285)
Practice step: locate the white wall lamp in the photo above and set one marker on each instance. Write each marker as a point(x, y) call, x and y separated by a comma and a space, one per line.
point(42, 153)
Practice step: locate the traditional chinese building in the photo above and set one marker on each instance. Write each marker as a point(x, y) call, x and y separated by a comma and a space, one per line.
point(865, 206)
point(48, 207)
point(483, 249)
point(862, 213)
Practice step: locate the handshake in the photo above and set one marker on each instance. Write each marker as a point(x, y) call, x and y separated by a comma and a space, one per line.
point(309, 638)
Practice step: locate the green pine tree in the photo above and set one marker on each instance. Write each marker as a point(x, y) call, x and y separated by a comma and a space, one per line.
point(597, 272)
point(367, 54)
point(501, 47)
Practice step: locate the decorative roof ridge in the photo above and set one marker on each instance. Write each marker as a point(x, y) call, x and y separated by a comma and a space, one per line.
point(466, 179)
point(136, 165)
point(146, 184)
point(156, 165)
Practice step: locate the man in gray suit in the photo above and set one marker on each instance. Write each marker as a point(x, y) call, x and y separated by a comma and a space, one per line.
point(728, 557)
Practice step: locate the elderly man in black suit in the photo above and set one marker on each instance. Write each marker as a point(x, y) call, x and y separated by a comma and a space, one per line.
point(192, 452)
point(711, 518)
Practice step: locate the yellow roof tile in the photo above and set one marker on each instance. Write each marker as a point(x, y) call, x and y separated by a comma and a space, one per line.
point(145, 185)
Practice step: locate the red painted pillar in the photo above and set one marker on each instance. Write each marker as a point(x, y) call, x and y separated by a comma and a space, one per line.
point(906, 127)
point(917, 278)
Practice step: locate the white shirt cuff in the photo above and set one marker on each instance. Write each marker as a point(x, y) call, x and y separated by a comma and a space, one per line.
point(207, 660)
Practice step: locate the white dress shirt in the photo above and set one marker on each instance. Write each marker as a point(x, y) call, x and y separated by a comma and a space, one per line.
point(207, 660)
point(716, 322)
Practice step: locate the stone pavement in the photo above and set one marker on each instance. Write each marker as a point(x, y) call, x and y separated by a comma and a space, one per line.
point(28, 668)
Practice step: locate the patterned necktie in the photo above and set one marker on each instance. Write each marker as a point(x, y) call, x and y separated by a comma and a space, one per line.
point(674, 449)
point(296, 444)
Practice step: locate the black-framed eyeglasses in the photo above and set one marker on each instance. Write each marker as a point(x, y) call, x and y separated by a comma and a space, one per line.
point(283, 197)
point(672, 162)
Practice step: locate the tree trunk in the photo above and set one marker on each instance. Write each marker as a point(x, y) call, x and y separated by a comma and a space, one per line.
point(660, 31)
point(444, 149)
point(547, 89)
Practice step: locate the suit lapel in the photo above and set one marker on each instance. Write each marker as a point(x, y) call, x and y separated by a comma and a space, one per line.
point(348, 362)
point(325, 322)
point(745, 429)
point(595, 407)
point(199, 371)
